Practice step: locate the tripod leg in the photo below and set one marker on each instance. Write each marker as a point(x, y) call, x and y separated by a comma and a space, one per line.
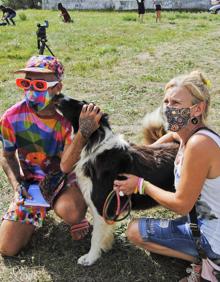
point(48, 48)
point(42, 47)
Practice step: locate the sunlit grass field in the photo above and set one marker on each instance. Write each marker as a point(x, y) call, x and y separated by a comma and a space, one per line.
point(121, 65)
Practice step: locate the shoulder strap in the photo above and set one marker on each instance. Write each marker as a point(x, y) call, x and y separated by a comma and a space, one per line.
point(206, 128)
point(196, 232)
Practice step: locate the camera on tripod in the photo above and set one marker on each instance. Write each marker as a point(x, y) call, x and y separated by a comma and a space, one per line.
point(42, 38)
point(41, 31)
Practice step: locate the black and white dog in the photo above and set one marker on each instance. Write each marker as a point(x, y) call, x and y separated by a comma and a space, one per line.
point(106, 155)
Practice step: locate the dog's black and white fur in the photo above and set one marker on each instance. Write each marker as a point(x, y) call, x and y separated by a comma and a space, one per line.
point(104, 157)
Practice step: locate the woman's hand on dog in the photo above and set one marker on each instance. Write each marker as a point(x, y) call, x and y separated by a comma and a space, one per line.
point(128, 185)
point(89, 120)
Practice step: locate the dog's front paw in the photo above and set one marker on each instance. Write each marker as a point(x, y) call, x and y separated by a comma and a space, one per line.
point(87, 259)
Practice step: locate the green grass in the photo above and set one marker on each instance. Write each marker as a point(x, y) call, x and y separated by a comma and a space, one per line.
point(122, 65)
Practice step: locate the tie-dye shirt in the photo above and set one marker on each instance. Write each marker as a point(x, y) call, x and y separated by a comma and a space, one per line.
point(38, 141)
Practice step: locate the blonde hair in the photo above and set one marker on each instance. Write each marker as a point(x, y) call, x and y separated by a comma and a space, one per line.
point(197, 85)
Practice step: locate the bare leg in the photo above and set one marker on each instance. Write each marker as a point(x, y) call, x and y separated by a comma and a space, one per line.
point(71, 207)
point(159, 16)
point(14, 236)
point(134, 236)
point(142, 18)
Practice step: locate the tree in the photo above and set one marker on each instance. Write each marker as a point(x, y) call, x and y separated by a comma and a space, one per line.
point(22, 4)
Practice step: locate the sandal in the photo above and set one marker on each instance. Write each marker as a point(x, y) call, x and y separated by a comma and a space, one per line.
point(195, 273)
point(80, 230)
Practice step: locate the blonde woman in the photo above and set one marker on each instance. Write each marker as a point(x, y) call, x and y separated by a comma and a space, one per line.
point(197, 180)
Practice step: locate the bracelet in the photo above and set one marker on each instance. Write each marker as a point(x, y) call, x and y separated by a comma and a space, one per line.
point(135, 190)
point(142, 184)
point(145, 184)
point(139, 186)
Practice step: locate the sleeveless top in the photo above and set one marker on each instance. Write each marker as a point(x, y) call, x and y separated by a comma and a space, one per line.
point(208, 204)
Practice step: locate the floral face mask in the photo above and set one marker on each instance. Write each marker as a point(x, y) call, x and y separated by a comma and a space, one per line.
point(177, 118)
point(38, 100)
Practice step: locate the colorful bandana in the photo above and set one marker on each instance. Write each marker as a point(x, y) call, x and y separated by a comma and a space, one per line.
point(37, 100)
point(44, 64)
point(177, 118)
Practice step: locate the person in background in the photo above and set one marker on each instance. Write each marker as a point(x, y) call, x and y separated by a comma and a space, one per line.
point(34, 136)
point(8, 14)
point(194, 235)
point(141, 10)
point(64, 13)
point(158, 8)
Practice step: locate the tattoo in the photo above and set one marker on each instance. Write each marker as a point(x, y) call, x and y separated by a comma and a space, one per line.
point(87, 127)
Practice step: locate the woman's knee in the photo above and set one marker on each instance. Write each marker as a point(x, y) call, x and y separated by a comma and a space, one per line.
point(132, 232)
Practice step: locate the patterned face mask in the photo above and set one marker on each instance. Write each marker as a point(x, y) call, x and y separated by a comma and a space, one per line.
point(177, 118)
point(37, 100)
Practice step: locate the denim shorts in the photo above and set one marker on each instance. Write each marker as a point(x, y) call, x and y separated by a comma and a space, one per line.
point(174, 234)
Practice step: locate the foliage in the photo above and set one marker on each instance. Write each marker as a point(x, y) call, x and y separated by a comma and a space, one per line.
point(22, 16)
point(22, 4)
point(130, 18)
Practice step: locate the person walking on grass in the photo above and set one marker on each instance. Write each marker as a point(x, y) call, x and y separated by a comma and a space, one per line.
point(141, 10)
point(158, 8)
point(194, 236)
point(8, 14)
point(34, 136)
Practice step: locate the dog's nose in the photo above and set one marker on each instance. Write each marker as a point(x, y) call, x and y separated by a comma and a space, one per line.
point(57, 99)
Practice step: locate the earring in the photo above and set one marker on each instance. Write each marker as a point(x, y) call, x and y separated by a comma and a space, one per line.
point(194, 120)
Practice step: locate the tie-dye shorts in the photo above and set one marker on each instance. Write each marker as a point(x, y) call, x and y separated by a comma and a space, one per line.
point(32, 215)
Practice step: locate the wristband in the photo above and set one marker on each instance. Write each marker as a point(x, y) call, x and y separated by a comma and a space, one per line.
point(136, 190)
point(140, 185)
point(145, 184)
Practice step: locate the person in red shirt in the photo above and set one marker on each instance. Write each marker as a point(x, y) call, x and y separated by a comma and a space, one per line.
point(64, 13)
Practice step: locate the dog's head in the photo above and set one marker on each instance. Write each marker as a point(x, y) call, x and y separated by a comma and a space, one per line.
point(71, 109)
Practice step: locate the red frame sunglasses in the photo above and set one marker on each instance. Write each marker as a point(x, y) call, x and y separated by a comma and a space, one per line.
point(37, 84)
